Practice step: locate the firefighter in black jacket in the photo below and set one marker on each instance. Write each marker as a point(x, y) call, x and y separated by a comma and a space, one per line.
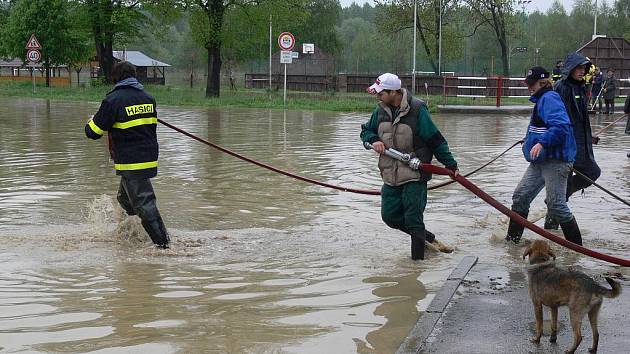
point(128, 114)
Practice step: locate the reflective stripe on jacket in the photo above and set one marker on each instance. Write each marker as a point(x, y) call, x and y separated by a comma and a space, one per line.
point(129, 115)
point(551, 127)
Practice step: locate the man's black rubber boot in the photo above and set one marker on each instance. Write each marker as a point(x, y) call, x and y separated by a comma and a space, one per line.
point(572, 232)
point(515, 230)
point(157, 232)
point(417, 244)
point(551, 223)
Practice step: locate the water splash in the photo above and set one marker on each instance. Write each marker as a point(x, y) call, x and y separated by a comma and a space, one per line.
point(130, 231)
point(100, 213)
point(107, 220)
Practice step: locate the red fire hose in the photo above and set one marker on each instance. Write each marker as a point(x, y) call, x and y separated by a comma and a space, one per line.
point(521, 220)
point(436, 170)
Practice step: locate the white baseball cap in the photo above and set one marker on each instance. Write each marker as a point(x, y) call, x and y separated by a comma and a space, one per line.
point(386, 81)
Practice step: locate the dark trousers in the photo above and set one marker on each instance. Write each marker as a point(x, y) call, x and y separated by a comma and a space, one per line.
point(136, 196)
point(610, 106)
point(596, 98)
point(402, 207)
point(575, 182)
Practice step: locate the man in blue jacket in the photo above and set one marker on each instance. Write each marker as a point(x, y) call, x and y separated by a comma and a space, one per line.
point(550, 148)
point(129, 115)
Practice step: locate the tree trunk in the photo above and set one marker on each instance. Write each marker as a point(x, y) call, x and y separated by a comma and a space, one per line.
point(504, 57)
point(105, 55)
point(427, 50)
point(213, 84)
point(102, 28)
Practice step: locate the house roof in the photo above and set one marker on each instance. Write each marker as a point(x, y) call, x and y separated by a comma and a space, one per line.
point(137, 58)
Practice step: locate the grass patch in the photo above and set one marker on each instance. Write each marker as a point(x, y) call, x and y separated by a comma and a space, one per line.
point(244, 98)
point(185, 96)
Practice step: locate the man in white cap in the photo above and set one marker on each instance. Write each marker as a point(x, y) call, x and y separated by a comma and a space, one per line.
point(403, 122)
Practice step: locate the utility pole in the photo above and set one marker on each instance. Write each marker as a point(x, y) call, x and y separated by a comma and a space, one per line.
point(595, 23)
point(270, 33)
point(415, 28)
point(440, 43)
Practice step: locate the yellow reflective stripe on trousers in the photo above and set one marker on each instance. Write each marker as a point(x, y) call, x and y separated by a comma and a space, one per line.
point(135, 166)
point(135, 123)
point(95, 127)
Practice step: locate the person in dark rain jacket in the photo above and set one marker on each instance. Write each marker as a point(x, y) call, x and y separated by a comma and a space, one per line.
point(573, 93)
point(129, 115)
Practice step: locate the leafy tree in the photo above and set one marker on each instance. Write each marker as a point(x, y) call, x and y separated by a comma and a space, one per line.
point(620, 19)
point(319, 25)
point(208, 18)
point(581, 20)
point(113, 21)
point(58, 27)
point(400, 13)
point(362, 39)
point(498, 15)
point(365, 12)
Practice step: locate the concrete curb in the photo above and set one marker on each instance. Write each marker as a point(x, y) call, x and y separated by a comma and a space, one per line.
point(424, 326)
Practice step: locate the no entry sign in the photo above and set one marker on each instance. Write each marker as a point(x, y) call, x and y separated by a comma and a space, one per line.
point(286, 41)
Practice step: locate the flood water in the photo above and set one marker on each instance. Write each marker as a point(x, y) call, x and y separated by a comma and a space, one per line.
point(260, 263)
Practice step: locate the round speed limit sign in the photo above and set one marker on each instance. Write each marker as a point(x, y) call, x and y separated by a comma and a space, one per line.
point(286, 41)
point(33, 56)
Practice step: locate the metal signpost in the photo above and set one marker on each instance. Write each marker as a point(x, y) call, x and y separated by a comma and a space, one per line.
point(286, 41)
point(33, 55)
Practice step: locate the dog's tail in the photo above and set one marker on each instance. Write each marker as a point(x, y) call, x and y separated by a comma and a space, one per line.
point(614, 292)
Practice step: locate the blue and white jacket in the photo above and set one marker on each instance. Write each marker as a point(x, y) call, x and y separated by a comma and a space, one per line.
point(550, 126)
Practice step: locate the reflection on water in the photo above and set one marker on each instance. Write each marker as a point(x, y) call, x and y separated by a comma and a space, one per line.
point(260, 262)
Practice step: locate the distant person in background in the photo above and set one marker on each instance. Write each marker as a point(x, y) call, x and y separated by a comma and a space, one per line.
point(588, 81)
point(610, 91)
point(596, 96)
point(557, 71)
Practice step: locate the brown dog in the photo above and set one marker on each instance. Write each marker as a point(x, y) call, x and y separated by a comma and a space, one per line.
point(553, 287)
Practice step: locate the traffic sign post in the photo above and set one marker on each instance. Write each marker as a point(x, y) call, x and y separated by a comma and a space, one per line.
point(286, 42)
point(33, 55)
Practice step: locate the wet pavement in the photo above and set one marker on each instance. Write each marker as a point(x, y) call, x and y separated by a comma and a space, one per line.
point(494, 314)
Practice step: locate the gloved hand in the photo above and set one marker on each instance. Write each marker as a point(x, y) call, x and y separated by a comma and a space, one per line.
point(454, 169)
point(595, 140)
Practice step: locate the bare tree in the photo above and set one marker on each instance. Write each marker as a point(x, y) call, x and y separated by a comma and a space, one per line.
point(497, 14)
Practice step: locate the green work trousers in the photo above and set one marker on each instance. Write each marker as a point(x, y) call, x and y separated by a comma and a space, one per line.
point(402, 207)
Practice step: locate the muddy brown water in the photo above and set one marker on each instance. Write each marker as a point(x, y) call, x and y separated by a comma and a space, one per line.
point(260, 262)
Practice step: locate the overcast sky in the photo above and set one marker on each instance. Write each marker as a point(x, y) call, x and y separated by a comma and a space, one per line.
point(535, 4)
